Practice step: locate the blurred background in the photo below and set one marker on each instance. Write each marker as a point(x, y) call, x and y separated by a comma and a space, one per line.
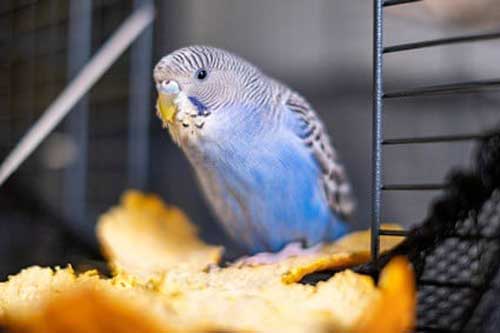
point(112, 140)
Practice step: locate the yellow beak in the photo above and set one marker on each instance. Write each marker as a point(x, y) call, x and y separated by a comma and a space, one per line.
point(166, 108)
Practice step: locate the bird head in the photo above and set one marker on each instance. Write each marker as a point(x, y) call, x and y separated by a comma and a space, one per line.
point(199, 87)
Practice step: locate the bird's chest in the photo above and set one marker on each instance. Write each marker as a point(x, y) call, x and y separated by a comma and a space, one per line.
point(237, 166)
point(261, 188)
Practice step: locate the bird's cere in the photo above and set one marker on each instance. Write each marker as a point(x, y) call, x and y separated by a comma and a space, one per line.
point(169, 87)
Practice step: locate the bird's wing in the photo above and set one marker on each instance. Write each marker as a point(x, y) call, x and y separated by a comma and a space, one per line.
point(334, 179)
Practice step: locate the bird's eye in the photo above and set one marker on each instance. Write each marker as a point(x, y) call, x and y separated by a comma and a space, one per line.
point(201, 74)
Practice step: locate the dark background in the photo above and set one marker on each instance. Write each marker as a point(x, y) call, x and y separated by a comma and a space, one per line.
point(112, 140)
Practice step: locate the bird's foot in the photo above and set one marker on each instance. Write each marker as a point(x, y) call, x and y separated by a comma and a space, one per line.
point(294, 249)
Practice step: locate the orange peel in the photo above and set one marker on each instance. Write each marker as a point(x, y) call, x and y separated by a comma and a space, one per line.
point(170, 281)
point(145, 237)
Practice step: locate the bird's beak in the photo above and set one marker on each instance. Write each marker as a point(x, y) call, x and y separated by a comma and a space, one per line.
point(165, 106)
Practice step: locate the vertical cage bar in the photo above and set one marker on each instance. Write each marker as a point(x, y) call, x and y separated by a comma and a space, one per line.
point(29, 102)
point(8, 75)
point(52, 39)
point(75, 178)
point(378, 49)
point(140, 106)
point(6, 112)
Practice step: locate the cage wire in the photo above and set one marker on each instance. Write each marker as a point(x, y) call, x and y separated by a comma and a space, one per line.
point(455, 250)
point(98, 150)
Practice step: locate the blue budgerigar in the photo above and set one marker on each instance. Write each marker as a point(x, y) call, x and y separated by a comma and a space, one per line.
point(260, 152)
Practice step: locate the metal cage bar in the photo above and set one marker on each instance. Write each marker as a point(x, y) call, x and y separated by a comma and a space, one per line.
point(441, 42)
point(433, 139)
point(379, 96)
point(453, 88)
point(139, 107)
point(388, 3)
point(76, 124)
point(378, 92)
point(379, 142)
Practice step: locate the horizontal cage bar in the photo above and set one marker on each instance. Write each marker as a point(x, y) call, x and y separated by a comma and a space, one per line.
point(388, 3)
point(433, 139)
point(462, 87)
point(442, 41)
point(385, 232)
point(413, 187)
point(470, 237)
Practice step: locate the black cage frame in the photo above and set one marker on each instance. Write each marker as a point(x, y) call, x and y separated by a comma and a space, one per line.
point(380, 96)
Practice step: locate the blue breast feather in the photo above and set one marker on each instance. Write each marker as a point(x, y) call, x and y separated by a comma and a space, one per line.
point(266, 189)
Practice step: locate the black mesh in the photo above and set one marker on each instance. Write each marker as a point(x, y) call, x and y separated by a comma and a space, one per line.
point(43, 45)
point(455, 251)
